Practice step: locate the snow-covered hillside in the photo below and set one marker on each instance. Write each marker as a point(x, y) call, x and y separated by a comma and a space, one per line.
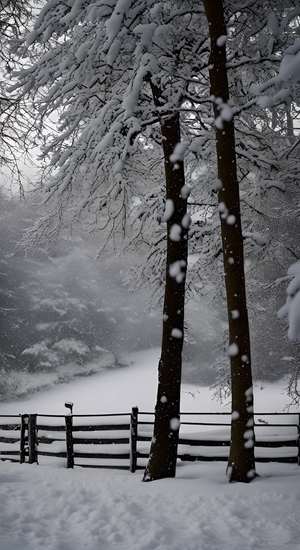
point(48, 507)
point(119, 389)
point(44, 508)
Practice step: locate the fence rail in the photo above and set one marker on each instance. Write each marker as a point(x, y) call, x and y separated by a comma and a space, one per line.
point(126, 438)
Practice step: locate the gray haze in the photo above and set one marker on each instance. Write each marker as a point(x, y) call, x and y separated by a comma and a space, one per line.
point(66, 314)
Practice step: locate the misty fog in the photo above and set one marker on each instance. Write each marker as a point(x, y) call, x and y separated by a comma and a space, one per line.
point(66, 313)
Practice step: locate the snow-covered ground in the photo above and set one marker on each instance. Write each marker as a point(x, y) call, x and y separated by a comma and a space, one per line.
point(44, 508)
point(47, 507)
point(117, 390)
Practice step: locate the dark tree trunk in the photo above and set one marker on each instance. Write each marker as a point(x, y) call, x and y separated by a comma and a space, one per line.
point(241, 464)
point(163, 452)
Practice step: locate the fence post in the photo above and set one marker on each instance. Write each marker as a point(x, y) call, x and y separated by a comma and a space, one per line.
point(299, 440)
point(133, 438)
point(32, 439)
point(69, 441)
point(23, 428)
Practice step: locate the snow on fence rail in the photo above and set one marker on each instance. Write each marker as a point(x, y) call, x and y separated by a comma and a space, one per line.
point(122, 440)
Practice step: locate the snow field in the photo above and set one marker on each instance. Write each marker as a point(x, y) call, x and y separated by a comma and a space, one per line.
point(45, 508)
point(118, 390)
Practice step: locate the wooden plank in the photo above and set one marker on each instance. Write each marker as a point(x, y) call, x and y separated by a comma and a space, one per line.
point(100, 427)
point(49, 428)
point(8, 439)
point(58, 454)
point(23, 437)
point(204, 442)
point(275, 425)
point(101, 455)
point(112, 427)
point(48, 440)
point(218, 443)
point(142, 454)
point(69, 441)
point(229, 413)
point(9, 427)
point(133, 438)
point(191, 458)
point(97, 441)
point(32, 438)
point(144, 438)
point(124, 440)
point(12, 453)
point(273, 444)
point(98, 415)
point(85, 428)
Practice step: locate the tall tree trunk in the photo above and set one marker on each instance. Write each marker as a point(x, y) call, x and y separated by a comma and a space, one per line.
point(163, 452)
point(241, 464)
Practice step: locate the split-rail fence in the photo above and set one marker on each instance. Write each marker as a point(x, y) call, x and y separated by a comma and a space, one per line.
point(122, 440)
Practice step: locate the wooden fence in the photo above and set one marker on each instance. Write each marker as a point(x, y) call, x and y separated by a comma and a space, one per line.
point(122, 440)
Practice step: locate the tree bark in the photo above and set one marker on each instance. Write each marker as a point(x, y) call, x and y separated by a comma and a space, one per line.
point(241, 464)
point(163, 452)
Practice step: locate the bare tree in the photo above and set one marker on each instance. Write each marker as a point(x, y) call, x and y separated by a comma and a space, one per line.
point(14, 16)
point(241, 465)
point(163, 453)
